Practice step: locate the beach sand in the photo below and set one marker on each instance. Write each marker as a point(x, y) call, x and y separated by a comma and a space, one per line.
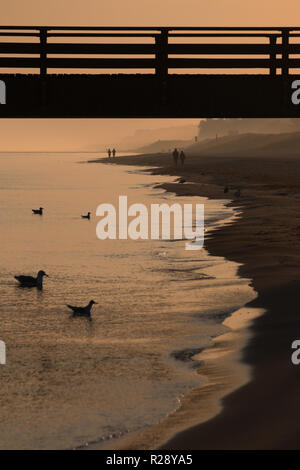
point(231, 411)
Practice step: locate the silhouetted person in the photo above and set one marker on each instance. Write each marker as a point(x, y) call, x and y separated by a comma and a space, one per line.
point(113, 153)
point(109, 153)
point(237, 193)
point(226, 189)
point(175, 156)
point(182, 157)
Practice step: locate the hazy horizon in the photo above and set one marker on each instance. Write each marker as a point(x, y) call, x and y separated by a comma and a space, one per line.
point(67, 134)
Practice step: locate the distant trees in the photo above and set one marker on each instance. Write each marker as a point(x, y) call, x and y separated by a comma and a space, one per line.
point(209, 128)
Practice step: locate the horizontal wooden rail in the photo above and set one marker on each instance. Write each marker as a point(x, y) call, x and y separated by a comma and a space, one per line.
point(30, 48)
point(147, 49)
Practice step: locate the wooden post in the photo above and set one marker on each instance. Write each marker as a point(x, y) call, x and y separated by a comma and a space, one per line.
point(161, 42)
point(43, 52)
point(285, 52)
point(272, 40)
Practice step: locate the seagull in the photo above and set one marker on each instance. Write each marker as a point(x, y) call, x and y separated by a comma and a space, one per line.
point(88, 216)
point(82, 311)
point(30, 281)
point(237, 193)
point(38, 211)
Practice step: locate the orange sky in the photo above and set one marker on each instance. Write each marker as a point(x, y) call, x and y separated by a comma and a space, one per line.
point(30, 134)
point(151, 12)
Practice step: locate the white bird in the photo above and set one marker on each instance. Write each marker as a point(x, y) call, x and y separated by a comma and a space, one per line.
point(30, 281)
point(82, 311)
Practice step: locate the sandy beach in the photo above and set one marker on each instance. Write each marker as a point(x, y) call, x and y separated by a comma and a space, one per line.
point(261, 413)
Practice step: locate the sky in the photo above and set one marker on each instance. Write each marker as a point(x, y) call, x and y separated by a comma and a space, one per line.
point(78, 134)
point(150, 12)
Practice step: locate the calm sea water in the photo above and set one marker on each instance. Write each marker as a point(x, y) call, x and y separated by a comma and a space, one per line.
point(68, 382)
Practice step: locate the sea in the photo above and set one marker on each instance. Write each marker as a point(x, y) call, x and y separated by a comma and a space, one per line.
point(71, 382)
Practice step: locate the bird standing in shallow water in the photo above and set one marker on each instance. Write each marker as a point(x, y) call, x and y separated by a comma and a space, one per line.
point(30, 281)
point(38, 211)
point(82, 311)
point(88, 216)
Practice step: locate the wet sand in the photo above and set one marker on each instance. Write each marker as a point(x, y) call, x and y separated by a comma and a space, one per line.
point(263, 412)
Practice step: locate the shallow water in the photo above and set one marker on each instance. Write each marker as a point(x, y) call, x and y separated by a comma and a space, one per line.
point(69, 381)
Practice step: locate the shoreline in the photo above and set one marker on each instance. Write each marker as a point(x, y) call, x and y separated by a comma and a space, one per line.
point(219, 367)
point(262, 413)
point(210, 362)
point(224, 350)
point(221, 372)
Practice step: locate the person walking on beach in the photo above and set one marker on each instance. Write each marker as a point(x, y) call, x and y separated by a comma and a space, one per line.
point(113, 153)
point(109, 153)
point(182, 157)
point(175, 156)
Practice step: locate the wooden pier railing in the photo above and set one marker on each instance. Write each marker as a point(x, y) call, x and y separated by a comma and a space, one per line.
point(273, 50)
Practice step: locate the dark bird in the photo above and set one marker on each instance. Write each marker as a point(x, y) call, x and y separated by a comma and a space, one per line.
point(30, 281)
point(38, 211)
point(226, 189)
point(181, 180)
point(237, 193)
point(88, 216)
point(82, 311)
